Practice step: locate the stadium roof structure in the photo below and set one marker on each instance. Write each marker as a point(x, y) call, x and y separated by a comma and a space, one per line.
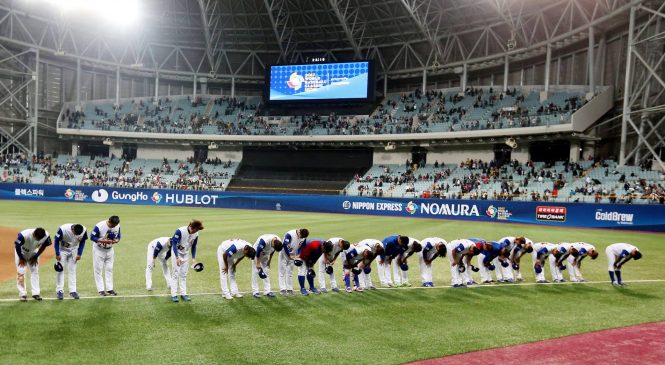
point(238, 38)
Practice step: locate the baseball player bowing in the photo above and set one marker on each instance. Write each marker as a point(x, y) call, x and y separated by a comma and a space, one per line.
point(493, 257)
point(541, 253)
point(265, 246)
point(392, 246)
point(69, 243)
point(229, 255)
point(433, 247)
point(105, 235)
point(293, 241)
point(357, 261)
point(400, 266)
point(582, 250)
point(327, 261)
point(29, 245)
point(518, 247)
point(159, 250)
point(560, 256)
point(617, 255)
point(459, 254)
point(183, 244)
point(310, 253)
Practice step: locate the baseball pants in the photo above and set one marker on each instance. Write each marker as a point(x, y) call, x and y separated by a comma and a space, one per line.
point(534, 257)
point(102, 264)
point(574, 270)
point(285, 270)
point(485, 273)
point(323, 274)
point(554, 269)
point(425, 270)
point(179, 274)
point(255, 277)
point(151, 262)
point(68, 261)
point(20, 277)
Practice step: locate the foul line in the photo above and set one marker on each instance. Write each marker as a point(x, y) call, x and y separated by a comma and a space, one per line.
point(297, 292)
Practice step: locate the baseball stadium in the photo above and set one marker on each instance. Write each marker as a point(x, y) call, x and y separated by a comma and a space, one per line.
point(332, 181)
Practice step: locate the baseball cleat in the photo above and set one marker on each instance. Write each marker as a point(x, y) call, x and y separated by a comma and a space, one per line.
point(175, 299)
point(541, 281)
point(390, 285)
point(336, 290)
point(102, 294)
point(371, 287)
point(282, 292)
point(238, 295)
point(59, 295)
point(149, 289)
point(323, 290)
point(357, 288)
point(256, 295)
point(74, 295)
point(37, 297)
point(111, 292)
point(228, 296)
point(186, 298)
point(304, 291)
point(270, 294)
point(348, 289)
point(289, 292)
point(315, 291)
point(509, 281)
point(24, 298)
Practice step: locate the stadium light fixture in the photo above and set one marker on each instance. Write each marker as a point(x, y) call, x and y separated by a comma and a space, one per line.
point(117, 12)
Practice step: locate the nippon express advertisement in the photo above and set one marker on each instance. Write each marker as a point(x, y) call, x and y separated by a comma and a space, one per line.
point(613, 216)
point(320, 81)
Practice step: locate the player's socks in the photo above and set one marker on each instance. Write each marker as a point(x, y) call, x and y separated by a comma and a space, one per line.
point(612, 276)
point(301, 281)
point(355, 281)
point(618, 276)
point(347, 281)
point(310, 281)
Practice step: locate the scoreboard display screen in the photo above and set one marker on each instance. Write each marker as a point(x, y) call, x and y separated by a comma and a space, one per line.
point(340, 81)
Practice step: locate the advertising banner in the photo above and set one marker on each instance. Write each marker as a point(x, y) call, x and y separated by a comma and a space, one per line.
point(614, 216)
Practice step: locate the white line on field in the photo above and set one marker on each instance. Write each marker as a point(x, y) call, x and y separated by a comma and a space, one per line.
point(247, 294)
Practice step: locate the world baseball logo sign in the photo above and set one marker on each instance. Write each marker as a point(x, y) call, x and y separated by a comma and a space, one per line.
point(551, 214)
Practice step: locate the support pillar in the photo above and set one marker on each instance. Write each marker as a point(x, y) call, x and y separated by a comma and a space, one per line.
point(117, 85)
point(626, 88)
point(590, 62)
point(505, 74)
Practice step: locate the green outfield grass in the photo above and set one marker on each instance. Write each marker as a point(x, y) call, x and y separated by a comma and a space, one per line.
point(376, 327)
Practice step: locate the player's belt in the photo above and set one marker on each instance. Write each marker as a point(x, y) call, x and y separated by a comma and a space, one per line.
point(102, 246)
point(66, 244)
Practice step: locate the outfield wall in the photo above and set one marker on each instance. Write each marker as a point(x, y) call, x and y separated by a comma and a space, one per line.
point(614, 216)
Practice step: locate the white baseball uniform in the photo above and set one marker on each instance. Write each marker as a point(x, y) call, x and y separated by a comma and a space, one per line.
point(102, 254)
point(516, 252)
point(401, 277)
point(574, 263)
point(68, 246)
point(159, 249)
point(564, 249)
point(460, 248)
point(328, 259)
point(353, 256)
point(264, 250)
point(292, 245)
point(617, 251)
point(541, 252)
point(26, 247)
point(428, 253)
point(233, 249)
point(182, 243)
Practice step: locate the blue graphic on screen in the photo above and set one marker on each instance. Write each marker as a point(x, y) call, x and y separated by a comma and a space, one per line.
point(319, 81)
